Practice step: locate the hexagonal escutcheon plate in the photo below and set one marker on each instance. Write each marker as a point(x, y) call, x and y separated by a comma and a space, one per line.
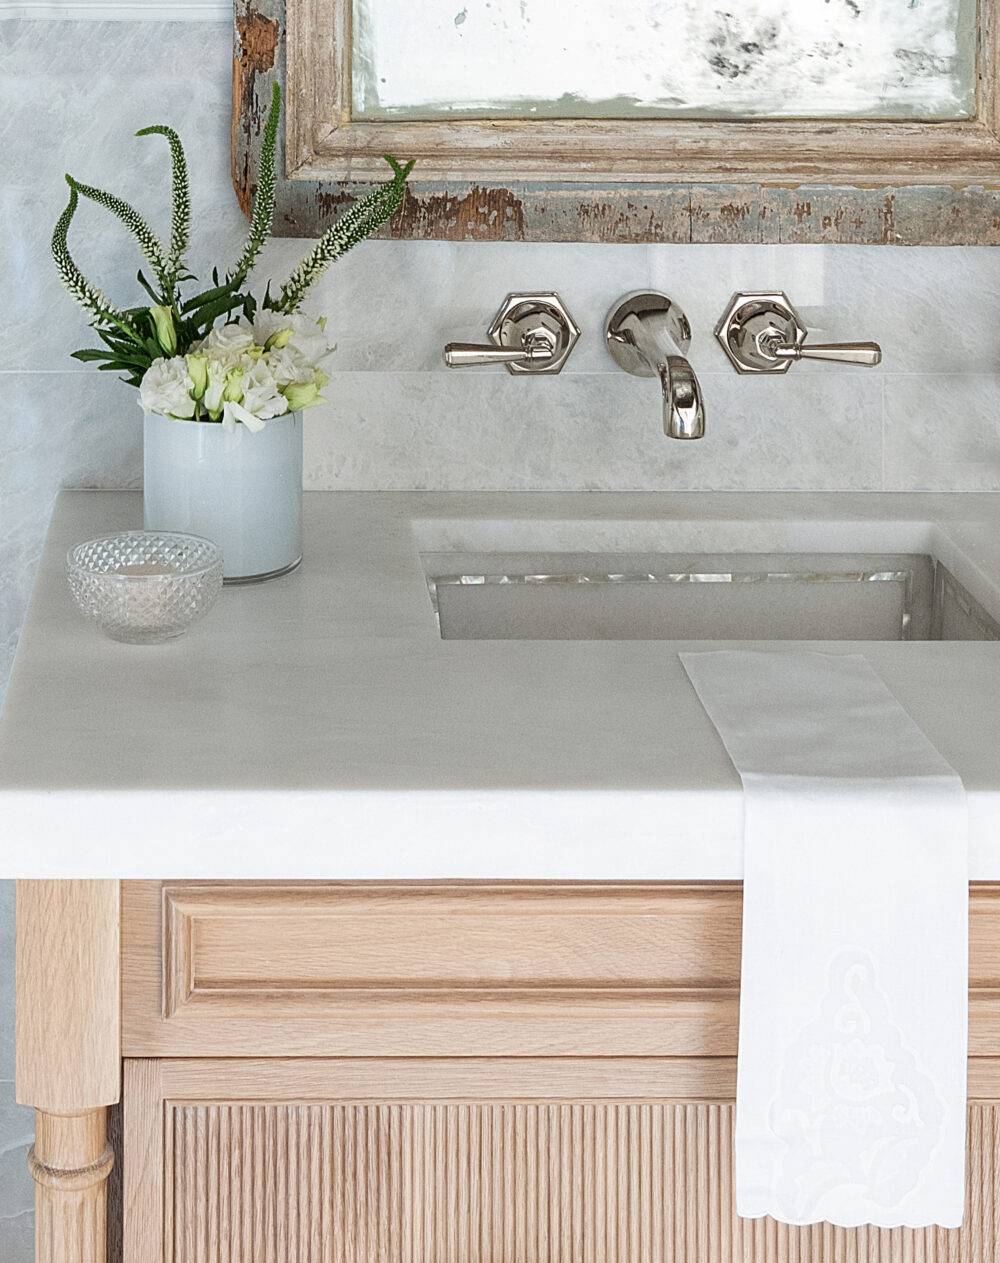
point(750, 321)
point(538, 317)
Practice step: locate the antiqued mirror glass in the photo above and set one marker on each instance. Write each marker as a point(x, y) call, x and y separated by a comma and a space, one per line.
point(779, 59)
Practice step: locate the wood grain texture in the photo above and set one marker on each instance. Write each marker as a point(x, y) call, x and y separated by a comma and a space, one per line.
point(434, 969)
point(608, 180)
point(68, 1050)
point(543, 1174)
point(143, 1163)
point(396, 938)
point(67, 1019)
point(70, 1162)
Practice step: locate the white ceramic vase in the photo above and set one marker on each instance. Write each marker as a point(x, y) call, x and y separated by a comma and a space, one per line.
point(241, 490)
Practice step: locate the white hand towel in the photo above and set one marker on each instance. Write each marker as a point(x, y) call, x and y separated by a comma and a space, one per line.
point(851, 1086)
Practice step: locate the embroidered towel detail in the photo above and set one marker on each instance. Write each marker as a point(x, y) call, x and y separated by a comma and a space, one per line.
point(851, 1083)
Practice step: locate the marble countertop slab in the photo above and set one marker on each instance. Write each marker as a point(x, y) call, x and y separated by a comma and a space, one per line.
point(316, 726)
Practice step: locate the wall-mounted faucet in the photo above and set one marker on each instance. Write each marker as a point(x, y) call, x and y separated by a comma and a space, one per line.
point(763, 333)
point(531, 333)
point(649, 336)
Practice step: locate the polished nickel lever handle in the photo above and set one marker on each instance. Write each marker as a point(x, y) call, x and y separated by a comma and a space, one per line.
point(531, 333)
point(763, 333)
point(535, 349)
point(868, 353)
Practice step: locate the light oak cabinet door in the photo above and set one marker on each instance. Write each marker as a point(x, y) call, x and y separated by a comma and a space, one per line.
point(478, 1161)
point(442, 969)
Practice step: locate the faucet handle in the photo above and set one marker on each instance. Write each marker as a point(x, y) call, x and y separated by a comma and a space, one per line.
point(531, 333)
point(763, 333)
point(536, 348)
point(867, 353)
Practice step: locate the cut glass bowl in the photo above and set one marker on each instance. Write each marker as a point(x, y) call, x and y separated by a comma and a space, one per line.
point(145, 586)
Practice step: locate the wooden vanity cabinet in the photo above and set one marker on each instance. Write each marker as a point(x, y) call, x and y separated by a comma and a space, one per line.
point(460, 1073)
point(466, 1073)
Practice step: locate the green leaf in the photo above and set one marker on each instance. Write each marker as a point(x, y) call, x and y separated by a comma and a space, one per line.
point(207, 296)
point(90, 354)
point(208, 315)
point(131, 360)
point(115, 340)
point(147, 287)
point(136, 361)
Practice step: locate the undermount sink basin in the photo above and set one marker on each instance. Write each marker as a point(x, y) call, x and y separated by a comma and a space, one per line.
point(572, 595)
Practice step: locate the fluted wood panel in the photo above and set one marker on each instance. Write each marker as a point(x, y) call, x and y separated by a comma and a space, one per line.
point(509, 1182)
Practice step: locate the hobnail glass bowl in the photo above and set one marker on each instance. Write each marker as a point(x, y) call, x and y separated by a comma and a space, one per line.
point(145, 586)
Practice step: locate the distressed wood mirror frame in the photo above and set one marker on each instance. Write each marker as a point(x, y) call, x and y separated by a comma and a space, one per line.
point(634, 180)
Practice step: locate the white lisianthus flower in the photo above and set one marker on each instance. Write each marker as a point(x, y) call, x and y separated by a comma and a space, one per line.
point(212, 398)
point(167, 389)
point(242, 374)
point(272, 329)
point(275, 332)
point(309, 339)
point(289, 365)
point(233, 412)
point(260, 391)
point(226, 342)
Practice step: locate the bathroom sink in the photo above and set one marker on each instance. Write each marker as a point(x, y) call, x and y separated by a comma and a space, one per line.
point(593, 595)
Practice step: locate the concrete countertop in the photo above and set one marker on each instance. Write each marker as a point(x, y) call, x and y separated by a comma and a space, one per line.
point(316, 726)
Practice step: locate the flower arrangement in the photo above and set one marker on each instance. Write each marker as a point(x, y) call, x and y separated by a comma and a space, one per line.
point(218, 355)
point(241, 373)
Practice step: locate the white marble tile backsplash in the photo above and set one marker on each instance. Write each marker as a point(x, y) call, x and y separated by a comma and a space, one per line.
point(71, 96)
point(592, 431)
point(942, 432)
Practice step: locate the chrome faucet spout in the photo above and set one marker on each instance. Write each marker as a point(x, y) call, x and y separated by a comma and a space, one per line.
point(683, 410)
point(649, 336)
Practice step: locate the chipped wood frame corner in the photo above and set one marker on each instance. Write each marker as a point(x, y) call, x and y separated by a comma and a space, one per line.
point(656, 180)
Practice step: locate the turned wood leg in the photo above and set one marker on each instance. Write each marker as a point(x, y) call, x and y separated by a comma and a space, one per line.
point(70, 1162)
point(68, 1057)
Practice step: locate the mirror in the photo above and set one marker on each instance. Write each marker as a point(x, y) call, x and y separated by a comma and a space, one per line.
point(878, 59)
point(848, 121)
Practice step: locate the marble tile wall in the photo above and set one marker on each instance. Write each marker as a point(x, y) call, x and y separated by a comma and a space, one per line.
point(72, 94)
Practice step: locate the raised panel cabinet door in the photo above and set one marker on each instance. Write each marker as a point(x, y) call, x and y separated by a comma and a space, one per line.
point(438, 969)
point(479, 1161)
